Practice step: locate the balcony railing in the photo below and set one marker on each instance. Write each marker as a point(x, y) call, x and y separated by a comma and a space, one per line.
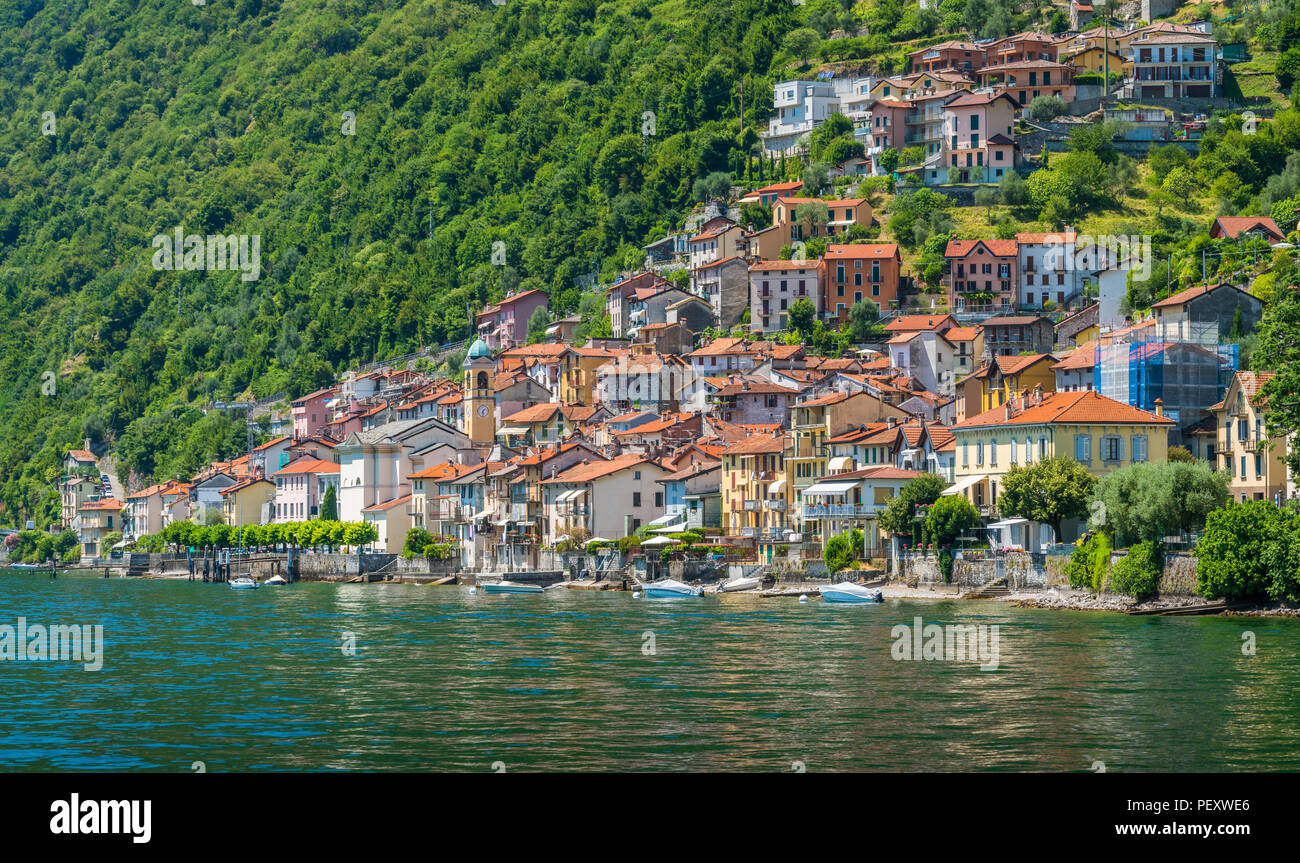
point(750, 506)
point(775, 505)
point(840, 510)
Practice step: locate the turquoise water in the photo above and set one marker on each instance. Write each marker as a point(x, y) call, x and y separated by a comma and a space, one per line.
point(445, 680)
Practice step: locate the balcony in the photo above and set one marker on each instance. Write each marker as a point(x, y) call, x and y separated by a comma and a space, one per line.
point(749, 532)
point(750, 506)
point(840, 510)
point(775, 505)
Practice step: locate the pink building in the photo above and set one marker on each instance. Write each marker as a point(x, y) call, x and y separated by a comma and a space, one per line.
point(310, 415)
point(978, 145)
point(981, 274)
point(504, 324)
point(299, 488)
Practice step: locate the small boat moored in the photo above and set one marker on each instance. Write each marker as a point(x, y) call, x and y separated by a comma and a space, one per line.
point(276, 580)
point(243, 584)
point(510, 587)
point(670, 589)
point(847, 591)
point(751, 582)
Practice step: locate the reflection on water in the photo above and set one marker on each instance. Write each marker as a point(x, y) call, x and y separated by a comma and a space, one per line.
point(444, 680)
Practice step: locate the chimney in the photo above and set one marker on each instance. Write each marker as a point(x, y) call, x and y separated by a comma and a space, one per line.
point(1160, 407)
point(1038, 394)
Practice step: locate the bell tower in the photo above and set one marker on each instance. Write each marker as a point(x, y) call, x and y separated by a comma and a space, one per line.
point(480, 400)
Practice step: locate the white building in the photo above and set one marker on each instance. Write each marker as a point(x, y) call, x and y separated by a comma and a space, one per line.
point(798, 108)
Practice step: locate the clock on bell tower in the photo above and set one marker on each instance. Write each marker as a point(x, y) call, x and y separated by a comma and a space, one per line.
point(480, 400)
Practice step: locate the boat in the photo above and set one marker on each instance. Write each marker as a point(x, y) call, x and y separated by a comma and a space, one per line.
point(24, 566)
point(510, 587)
point(670, 589)
point(743, 583)
point(277, 580)
point(243, 584)
point(847, 591)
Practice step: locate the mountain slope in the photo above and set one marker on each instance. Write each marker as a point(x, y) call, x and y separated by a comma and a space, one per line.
point(474, 124)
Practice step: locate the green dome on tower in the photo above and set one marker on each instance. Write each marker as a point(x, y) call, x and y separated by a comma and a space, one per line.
point(477, 350)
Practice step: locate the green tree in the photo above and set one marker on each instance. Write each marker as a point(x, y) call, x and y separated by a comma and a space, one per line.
point(899, 516)
point(329, 505)
point(1048, 491)
point(538, 321)
point(802, 316)
point(1250, 550)
point(1279, 352)
point(1137, 574)
point(417, 538)
point(949, 517)
point(1149, 500)
point(801, 43)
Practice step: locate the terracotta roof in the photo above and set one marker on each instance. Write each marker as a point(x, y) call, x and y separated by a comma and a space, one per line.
point(448, 470)
point(1084, 357)
point(918, 322)
point(1085, 408)
point(103, 503)
point(1252, 381)
point(386, 505)
point(757, 444)
point(789, 186)
point(877, 472)
point(82, 454)
point(962, 248)
point(1186, 295)
point(588, 471)
point(863, 250)
point(828, 399)
point(1233, 226)
point(962, 334)
point(308, 465)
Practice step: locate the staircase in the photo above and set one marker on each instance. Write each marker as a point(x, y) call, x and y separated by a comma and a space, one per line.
point(992, 590)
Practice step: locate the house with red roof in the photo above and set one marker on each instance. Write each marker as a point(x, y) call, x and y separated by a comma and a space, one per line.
point(860, 272)
point(1100, 433)
point(609, 498)
point(300, 487)
point(1254, 460)
point(982, 275)
point(978, 143)
point(1231, 227)
point(504, 324)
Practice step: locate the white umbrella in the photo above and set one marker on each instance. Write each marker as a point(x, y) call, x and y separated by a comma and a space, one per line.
point(661, 540)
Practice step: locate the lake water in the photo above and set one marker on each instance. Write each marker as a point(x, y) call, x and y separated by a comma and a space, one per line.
point(441, 679)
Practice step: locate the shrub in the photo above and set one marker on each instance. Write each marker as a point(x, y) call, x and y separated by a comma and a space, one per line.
point(1137, 574)
point(1088, 563)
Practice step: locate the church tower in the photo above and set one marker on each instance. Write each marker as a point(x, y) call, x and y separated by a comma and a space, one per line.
point(480, 400)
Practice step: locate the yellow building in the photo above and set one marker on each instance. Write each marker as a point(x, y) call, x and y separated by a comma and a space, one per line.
point(755, 491)
point(98, 518)
point(1005, 378)
point(815, 421)
point(1094, 60)
point(1100, 433)
point(578, 374)
point(1255, 462)
point(247, 502)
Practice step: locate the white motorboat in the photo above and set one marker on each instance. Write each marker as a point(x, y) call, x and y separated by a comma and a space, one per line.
point(743, 583)
point(670, 589)
point(847, 591)
point(277, 580)
point(243, 584)
point(510, 587)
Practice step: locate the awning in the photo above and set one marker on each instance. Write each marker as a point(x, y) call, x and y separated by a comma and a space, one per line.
point(670, 518)
point(840, 462)
point(826, 488)
point(661, 540)
point(484, 514)
point(512, 430)
point(565, 497)
point(777, 487)
point(966, 482)
point(502, 523)
point(1007, 522)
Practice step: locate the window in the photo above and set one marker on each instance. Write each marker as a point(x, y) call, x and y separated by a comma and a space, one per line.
point(1139, 447)
point(979, 453)
point(1083, 448)
point(659, 498)
point(1243, 467)
point(1259, 467)
point(636, 498)
point(1242, 430)
point(965, 453)
point(1112, 448)
point(993, 453)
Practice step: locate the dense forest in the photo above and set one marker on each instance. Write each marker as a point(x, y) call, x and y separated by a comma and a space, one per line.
point(377, 148)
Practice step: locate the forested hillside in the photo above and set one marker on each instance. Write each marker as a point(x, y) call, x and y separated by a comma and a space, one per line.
point(474, 123)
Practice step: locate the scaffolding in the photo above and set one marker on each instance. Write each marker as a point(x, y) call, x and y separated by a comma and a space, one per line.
point(1181, 364)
